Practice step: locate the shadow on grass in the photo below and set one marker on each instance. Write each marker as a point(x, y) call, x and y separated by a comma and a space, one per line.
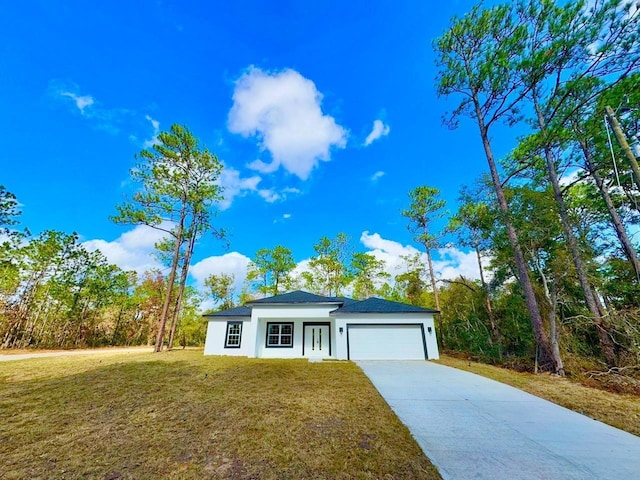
point(183, 415)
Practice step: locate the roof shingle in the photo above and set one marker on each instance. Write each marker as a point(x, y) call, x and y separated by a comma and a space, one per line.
point(297, 297)
point(379, 305)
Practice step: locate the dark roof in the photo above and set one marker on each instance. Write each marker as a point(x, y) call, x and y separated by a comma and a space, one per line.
point(297, 297)
point(370, 305)
point(231, 312)
point(379, 305)
point(345, 300)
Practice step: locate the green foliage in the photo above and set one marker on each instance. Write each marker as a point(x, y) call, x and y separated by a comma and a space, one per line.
point(329, 273)
point(179, 186)
point(550, 62)
point(221, 289)
point(425, 208)
point(176, 176)
point(466, 324)
point(270, 270)
point(411, 285)
point(8, 209)
point(65, 297)
point(192, 329)
point(368, 273)
point(478, 57)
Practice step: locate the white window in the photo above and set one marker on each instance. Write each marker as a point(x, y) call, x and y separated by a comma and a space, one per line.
point(279, 335)
point(234, 333)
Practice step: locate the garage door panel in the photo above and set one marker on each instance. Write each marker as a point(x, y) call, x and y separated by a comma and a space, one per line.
point(386, 342)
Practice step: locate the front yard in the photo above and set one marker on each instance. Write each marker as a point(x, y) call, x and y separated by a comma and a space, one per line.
point(182, 415)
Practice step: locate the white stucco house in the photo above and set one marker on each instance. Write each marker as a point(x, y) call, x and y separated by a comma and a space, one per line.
point(303, 325)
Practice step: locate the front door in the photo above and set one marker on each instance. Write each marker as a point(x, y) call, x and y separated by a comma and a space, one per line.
point(316, 341)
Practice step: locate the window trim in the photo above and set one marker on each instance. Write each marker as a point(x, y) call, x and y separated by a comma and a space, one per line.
point(239, 334)
point(266, 340)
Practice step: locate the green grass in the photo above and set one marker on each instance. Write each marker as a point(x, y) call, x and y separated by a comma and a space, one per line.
point(618, 410)
point(182, 415)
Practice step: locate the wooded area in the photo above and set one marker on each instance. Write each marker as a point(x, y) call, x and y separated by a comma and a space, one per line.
point(554, 224)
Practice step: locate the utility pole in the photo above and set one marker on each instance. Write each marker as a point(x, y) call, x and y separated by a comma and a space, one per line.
point(622, 140)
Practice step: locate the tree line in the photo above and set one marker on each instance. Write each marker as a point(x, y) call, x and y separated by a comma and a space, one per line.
point(557, 71)
point(55, 293)
point(334, 270)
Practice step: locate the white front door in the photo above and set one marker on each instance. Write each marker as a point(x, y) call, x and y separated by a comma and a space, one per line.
point(316, 341)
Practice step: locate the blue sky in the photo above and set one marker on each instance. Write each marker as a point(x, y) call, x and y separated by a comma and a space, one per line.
point(84, 86)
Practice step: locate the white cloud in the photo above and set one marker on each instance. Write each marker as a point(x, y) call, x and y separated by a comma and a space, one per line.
point(110, 120)
point(133, 250)
point(301, 266)
point(391, 252)
point(259, 166)
point(269, 195)
point(379, 130)
point(81, 101)
point(378, 175)
point(234, 186)
point(286, 215)
point(232, 263)
point(448, 263)
point(454, 263)
point(283, 110)
point(156, 130)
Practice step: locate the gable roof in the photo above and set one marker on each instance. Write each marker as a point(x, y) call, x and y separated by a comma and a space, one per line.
point(379, 305)
point(231, 312)
point(298, 296)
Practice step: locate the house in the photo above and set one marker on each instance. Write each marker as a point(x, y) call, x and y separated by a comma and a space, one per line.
point(303, 325)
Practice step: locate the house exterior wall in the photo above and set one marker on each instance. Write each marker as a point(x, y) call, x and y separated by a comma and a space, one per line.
point(254, 330)
point(216, 337)
point(298, 315)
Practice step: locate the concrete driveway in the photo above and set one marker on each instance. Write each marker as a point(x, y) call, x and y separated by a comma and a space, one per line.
point(471, 427)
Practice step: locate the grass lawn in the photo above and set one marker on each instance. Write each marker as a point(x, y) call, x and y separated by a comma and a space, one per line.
point(618, 410)
point(182, 415)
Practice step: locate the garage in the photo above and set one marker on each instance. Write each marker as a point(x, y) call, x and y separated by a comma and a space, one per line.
point(386, 341)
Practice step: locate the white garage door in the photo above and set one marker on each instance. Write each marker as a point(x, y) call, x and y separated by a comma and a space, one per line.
point(385, 342)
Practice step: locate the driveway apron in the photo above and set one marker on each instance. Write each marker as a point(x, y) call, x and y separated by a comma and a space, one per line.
point(472, 427)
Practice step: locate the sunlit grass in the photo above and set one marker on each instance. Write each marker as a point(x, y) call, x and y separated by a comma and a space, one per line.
point(182, 415)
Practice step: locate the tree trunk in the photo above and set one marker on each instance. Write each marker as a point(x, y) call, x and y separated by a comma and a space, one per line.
point(433, 278)
point(553, 330)
point(495, 332)
point(114, 337)
point(552, 300)
point(622, 140)
point(606, 343)
point(172, 278)
point(183, 281)
point(435, 296)
point(627, 247)
point(518, 256)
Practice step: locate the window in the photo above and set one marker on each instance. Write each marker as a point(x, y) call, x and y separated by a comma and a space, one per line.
point(279, 334)
point(234, 333)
